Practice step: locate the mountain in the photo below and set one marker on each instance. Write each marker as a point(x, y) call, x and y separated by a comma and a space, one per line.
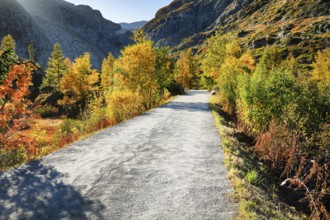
point(187, 23)
point(133, 26)
point(78, 29)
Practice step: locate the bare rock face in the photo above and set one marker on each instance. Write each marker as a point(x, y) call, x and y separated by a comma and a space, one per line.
point(16, 21)
point(185, 18)
point(187, 23)
point(78, 29)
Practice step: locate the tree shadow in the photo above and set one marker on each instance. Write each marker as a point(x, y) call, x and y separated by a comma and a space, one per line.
point(187, 106)
point(35, 191)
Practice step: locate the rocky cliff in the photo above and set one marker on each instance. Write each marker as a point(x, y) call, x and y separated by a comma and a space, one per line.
point(187, 23)
point(78, 29)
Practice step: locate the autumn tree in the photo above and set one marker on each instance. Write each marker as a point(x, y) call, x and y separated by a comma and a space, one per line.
point(215, 55)
point(55, 70)
point(321, 66)
point(269, 60)
point(107, 72)
point(78, 85)
point(7, 56)
point(8, 44)
point(14, 104)
point(31, 51)
point(139, 36)
point(186, 68)
point(164, 68)
point(236, 67)
point(135, 70)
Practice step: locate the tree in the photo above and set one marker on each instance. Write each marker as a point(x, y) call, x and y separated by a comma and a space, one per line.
point(31, 51)
point(139, 36)
point(164, 68)
point(78, 85)
point(7, 56)
point(186, 68)
point(321, 66)
point(234, 69)
point(269, 60)
point(6, 62)
point(14, 104)
point(135, 72)
point(107, 72)
point(215, 55)
point(8, 44)
point(55, 70)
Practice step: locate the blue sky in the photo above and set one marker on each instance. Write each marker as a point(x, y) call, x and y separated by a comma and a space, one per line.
point(125, 10)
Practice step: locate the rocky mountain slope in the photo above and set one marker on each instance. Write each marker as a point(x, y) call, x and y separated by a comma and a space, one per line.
point(78, 29)
point(187, 23)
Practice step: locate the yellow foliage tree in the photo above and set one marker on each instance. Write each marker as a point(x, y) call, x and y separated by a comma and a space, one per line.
point(107, 72)
point(322, 65)
point(215, 54)
point(135, 72)
point(186, 67)
point(79, 83)
point(8, 43)
point(234, 66)
point(123, 105)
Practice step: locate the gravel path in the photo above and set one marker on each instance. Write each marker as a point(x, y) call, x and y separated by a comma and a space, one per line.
point(165, 164)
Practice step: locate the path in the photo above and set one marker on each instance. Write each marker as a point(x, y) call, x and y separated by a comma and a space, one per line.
point(165, 164)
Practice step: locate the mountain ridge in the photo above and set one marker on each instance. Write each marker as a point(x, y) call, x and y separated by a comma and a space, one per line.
point(78, 29)
point(187, 23)
point(133, 25)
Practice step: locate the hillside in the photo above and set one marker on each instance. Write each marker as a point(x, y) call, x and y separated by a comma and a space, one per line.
point(78, 29)
point(186, 23)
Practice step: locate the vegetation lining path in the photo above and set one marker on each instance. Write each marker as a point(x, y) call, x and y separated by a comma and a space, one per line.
point(165, 164)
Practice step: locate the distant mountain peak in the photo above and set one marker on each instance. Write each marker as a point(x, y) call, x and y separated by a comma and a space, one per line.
point(133, 25)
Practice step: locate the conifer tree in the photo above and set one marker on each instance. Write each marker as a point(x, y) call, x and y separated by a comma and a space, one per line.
point(8, 44)
point(31, 51)
point(107, 72)
point(56, 69)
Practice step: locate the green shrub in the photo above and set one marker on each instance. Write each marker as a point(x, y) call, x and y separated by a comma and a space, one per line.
point(11, 157)
point(253, 177)
point(267, 97)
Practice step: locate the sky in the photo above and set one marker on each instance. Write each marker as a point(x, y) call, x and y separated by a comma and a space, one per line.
point(125, 10)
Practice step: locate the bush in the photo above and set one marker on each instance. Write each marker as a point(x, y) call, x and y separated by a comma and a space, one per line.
point(11, 157)
point(123, 105)
point(253, 177)
point(47, 111)
point(267, 97)
point(175, 88)
point(94, 115)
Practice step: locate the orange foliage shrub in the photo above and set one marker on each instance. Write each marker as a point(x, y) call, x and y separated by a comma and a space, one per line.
point(14, 111)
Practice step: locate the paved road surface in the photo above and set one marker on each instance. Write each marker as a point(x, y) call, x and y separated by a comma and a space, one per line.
point(165, 164)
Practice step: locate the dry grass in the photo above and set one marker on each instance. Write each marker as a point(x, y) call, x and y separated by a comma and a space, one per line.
point(49, 125)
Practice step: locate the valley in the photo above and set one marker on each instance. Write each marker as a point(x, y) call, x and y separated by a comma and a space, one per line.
point(118, 116)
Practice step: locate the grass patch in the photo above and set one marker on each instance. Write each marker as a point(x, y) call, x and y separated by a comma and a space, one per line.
point(255, 188)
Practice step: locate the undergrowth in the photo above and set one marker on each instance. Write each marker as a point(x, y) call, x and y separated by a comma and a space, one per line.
point(255, 188)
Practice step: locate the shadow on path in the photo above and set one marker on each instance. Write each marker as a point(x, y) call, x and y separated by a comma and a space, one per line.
point(36, 191)
point(187, 106)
